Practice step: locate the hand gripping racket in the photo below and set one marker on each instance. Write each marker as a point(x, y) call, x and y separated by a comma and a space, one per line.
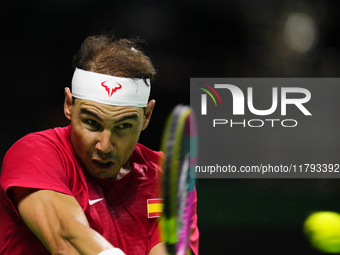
point(179, 143)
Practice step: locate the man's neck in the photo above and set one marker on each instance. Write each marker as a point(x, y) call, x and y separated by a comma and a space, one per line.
point(125, 169)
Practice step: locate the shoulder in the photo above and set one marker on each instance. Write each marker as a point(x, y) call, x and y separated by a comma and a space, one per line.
point(150, 156)
point(42, 160)
point(146, 161)
point(39, 140)
point(58, 135)
point(38, 147)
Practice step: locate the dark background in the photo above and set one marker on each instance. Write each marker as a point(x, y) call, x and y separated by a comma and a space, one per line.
point(185, 39)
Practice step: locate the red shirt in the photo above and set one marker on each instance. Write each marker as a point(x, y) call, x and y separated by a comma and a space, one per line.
point(117, 209)
point(46, 160)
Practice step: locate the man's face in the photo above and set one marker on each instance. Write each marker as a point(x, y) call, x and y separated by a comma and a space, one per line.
point(104, 136)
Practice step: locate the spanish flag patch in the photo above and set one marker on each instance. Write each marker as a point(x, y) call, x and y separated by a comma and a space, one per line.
point(155, 207)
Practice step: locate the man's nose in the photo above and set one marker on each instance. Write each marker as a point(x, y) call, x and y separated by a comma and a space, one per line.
point(104, 143)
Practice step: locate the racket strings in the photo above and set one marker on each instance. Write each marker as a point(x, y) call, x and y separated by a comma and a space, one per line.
point(177, 212)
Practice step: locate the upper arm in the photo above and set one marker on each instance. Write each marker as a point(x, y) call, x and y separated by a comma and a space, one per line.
point(58, 221)
point(158, 249)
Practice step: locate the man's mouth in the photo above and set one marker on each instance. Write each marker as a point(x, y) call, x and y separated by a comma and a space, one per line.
point(104, 165)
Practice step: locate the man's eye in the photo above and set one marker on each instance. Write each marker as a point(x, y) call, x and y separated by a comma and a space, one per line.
point(124, 126)
point(92, 123)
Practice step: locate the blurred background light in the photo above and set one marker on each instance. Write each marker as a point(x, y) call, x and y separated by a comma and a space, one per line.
point(300, 32)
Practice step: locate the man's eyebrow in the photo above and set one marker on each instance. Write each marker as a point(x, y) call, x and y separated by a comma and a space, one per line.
point(87, 112)
point(128, 117)
point(124, 118)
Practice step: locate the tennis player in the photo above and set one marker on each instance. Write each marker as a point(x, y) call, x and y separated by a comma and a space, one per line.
point(90, 187)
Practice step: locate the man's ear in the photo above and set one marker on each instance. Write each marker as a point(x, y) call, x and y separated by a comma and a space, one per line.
point(148, 112)
point(68, 103)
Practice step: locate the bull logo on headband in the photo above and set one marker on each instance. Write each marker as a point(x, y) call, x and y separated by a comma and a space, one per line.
point(109, 90)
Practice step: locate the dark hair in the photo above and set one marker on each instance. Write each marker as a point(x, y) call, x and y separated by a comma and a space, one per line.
point(119, 57)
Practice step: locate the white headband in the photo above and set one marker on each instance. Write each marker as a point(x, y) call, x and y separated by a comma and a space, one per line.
point(109, 89)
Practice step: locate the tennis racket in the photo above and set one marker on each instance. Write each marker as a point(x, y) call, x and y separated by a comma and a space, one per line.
point(179, 143)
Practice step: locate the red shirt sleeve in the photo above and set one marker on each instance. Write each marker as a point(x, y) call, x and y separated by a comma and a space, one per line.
point(155, 238)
